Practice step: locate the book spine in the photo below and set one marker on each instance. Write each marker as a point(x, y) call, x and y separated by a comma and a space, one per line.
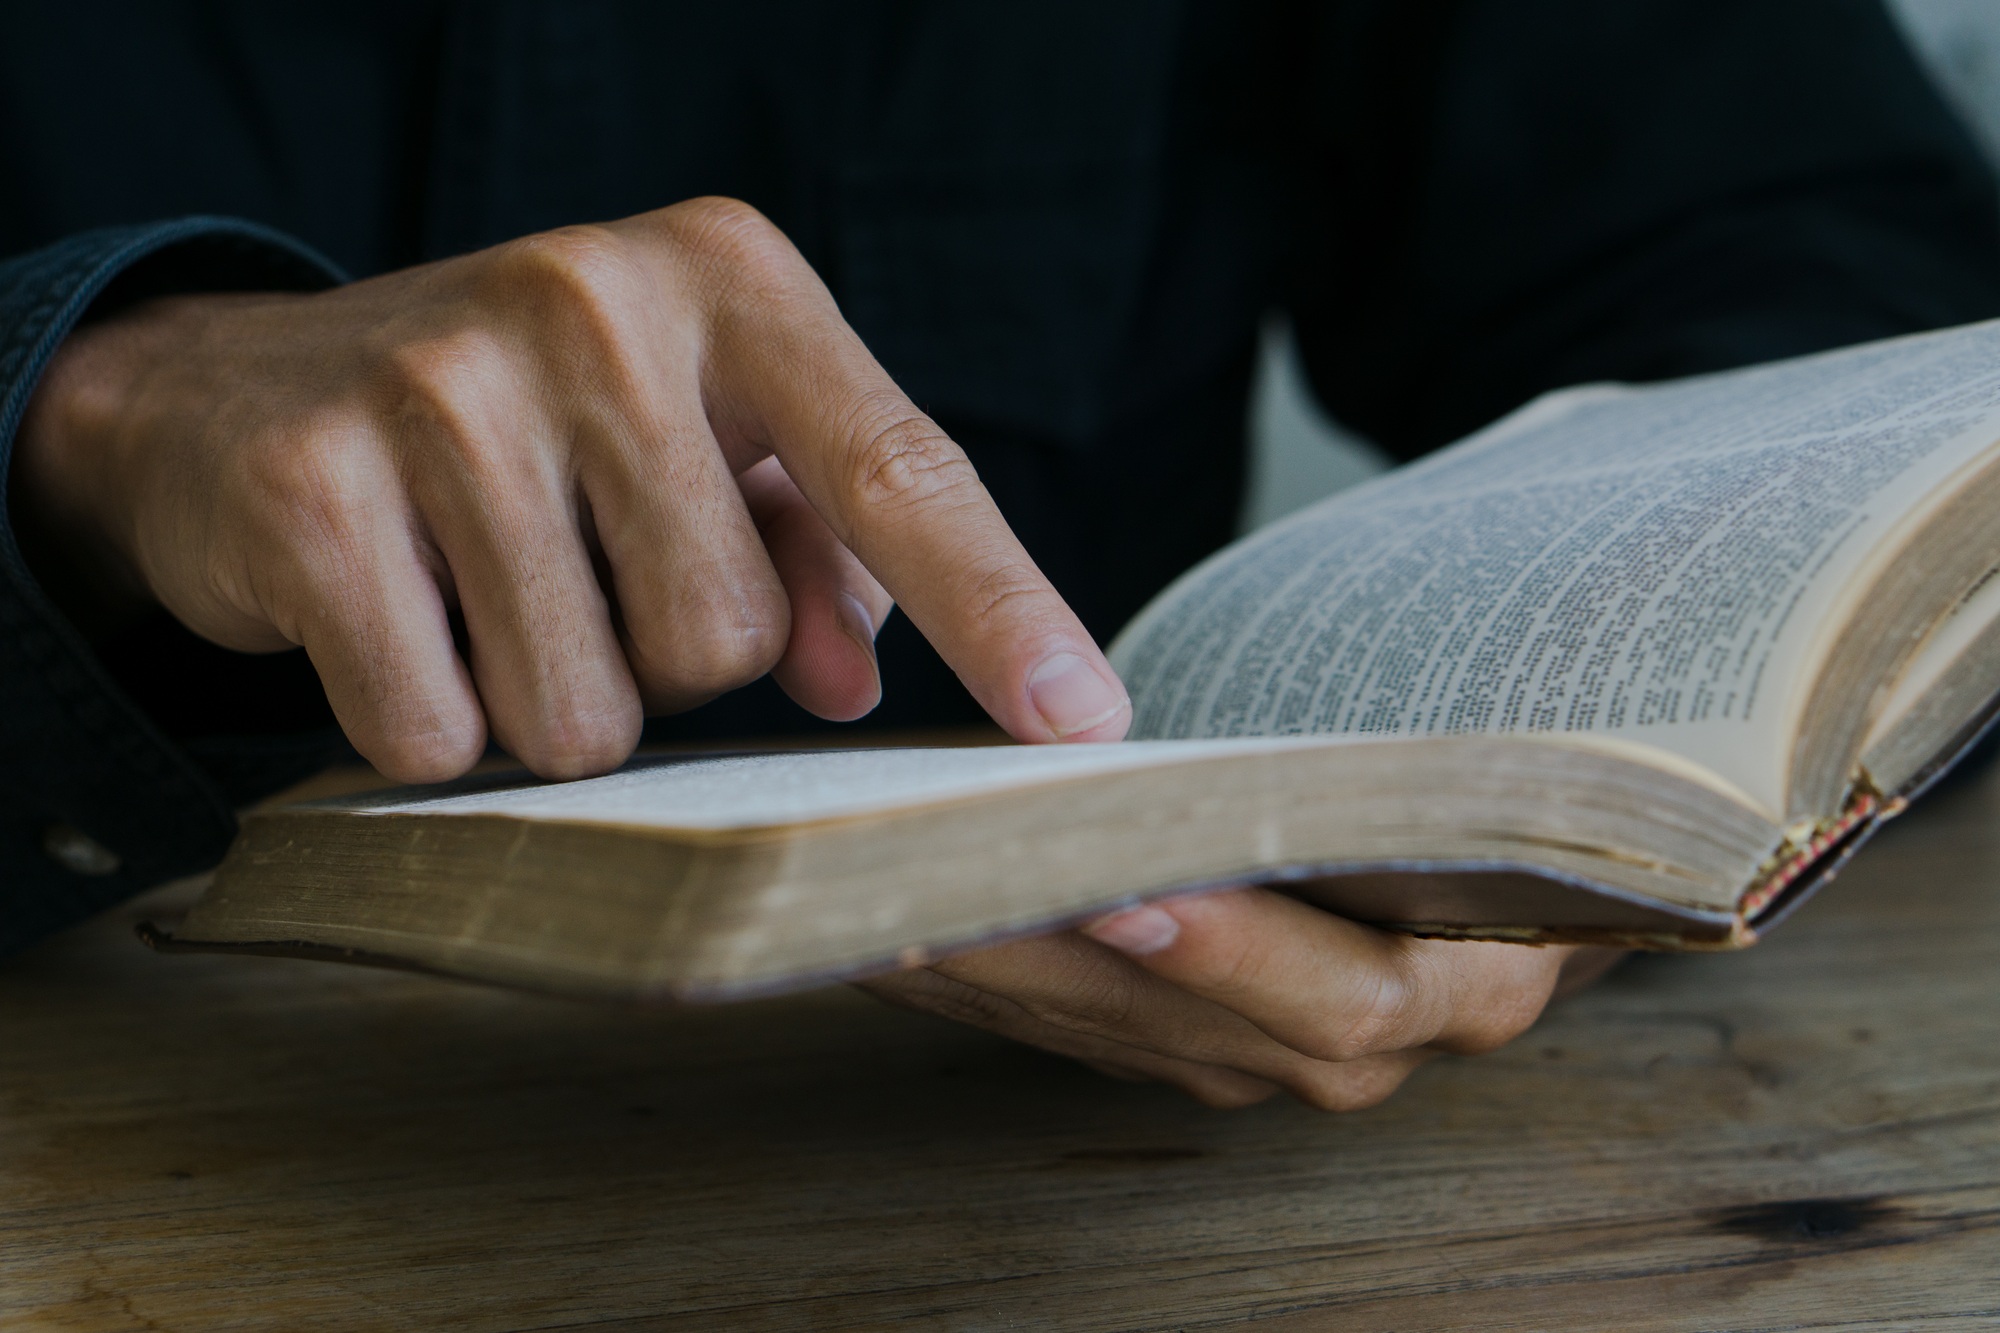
point(1790, 862)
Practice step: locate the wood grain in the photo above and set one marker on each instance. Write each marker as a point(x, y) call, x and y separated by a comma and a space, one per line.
point(1803, 1136)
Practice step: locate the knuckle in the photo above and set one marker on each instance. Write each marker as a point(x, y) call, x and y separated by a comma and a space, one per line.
point(715, 659)
point(579, 265)
point(732, 234)
point(442, 363)
point(577, 294)
point(410, 732)
point(441, 381)
point(301, 484)
point(1095, 1003)
point(717, 649)
point(1383, 1009)
point(1347, 1089)
point(1234, 963)
point(581, 743)
point(1007, 593)
point(445, 415)
point(901, 459)
point(430, 756)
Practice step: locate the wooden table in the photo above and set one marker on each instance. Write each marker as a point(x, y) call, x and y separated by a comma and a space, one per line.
point(1805, 1136)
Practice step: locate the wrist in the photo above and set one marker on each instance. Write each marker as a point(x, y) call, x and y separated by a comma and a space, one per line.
point(64, 479)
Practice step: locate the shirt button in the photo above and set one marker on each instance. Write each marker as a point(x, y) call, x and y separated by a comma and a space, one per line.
point(77, 852)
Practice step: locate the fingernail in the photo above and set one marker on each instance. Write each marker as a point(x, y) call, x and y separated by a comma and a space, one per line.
point(1071, 696)
point(1142, 930)
point(855, 622)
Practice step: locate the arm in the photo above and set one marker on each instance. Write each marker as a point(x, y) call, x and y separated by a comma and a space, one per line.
point(95, 802)
point(343, 470)
point(527, 493)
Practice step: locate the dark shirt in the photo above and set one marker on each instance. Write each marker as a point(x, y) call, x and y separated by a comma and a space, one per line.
point(1059, 225)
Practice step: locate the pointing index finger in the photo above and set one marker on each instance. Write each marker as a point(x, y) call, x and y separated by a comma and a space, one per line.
point(905, 499)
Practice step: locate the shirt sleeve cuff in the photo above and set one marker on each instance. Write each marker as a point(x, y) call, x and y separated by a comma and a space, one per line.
point(96, 803)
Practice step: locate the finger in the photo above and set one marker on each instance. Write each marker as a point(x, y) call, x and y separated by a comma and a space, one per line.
point(1330, 988)
point(702, 610)
point(837, 607)
point(548, 664)
point(901, 495)
point(927, 991)
point(609, 356)
point(366, 607)
point(787, 375)
point(1075, 985)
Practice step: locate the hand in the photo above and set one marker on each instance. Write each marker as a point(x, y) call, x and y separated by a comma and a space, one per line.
point(565, 445)
point(1233, 996)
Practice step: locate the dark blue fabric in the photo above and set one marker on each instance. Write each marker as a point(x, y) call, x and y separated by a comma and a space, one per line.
point(1059, 225)
point(73, 748)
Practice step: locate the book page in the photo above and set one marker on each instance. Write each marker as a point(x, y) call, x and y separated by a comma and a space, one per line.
point(731, 792)
point(1651, 563)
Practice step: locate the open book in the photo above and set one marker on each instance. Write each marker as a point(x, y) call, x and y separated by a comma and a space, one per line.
point(1633, 665)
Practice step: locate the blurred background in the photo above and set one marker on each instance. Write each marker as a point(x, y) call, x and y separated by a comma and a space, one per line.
point(1298, 455)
